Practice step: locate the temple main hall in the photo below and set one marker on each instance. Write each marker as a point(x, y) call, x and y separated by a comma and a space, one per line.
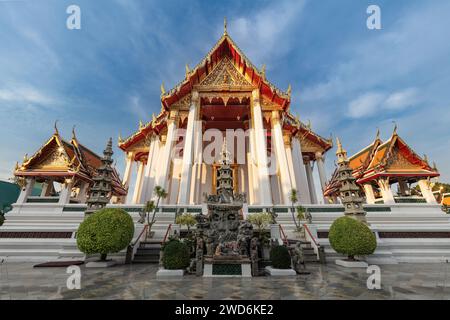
point(225, 95)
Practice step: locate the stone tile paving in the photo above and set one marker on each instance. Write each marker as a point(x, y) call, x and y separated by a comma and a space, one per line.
point(402, 281)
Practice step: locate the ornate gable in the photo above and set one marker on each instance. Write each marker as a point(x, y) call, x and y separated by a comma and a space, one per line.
point(225, 74)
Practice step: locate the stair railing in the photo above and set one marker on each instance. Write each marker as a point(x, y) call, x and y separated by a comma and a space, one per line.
point(318, 250)
point(167, 234)
point(132, 247)
point(283, 235)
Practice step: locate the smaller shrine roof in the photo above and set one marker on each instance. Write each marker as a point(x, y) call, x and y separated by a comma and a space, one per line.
point(59, 159)
point(395, 158)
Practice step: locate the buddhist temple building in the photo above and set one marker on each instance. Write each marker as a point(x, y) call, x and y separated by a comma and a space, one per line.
point(225, 94)
point(69, 165)
point(381, 165)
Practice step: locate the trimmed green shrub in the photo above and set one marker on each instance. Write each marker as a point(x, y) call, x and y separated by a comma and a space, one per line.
point(280, 257)
point(176, 255)
point(105, 231)
point(351, 237)
point(2, 219)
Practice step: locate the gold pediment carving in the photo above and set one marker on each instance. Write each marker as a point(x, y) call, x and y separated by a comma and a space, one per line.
point(225, 74)
point(399, 161)
point(309, 146)
point(51, 160)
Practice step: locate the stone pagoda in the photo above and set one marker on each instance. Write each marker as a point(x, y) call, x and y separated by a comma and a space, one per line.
point(227, 237)
point(100, 192)
point(349, 192)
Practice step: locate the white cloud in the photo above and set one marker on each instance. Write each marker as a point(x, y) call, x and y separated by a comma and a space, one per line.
point(25, 94)
point(365, 105)
point(401, 100)
point(264, 31)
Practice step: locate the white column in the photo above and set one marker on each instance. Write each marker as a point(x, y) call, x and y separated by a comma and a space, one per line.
point(128, 167)
point(427, 193)
point(261, 151)
point(310, 178)
point(82, 194)
point(282, 163)
point(47, 188)
point(300, 172)
point(386, 191)
point(321, 168)
point(162, 178)
point(195, 194)
point(138, 184)
point(26, 191)
point(147, 186)
point(188, 151)
point(370, 196)
point(66, 192)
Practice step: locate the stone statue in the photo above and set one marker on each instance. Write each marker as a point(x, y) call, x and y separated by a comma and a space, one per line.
point(298, 259)
point(254, 256)
point(199, 256)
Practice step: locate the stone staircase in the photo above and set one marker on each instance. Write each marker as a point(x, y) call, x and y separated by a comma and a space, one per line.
point(308, 251)
point(148, 251)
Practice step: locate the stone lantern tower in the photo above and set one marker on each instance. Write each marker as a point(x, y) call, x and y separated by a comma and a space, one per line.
point(100, 192)
point(349, 191)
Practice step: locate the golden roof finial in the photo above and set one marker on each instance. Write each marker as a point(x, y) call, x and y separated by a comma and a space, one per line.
point(187, 70)
point(120, 139)
point(425, 158)
point(56, 127)
point(141, 125)
point(16, 167)
point(309, 124)
point(225, 26)
point(25, 158)
point(74, 137)
point(377, 137)
point(289, 90)
point(435, 166)
point(263, 71)
point(395, 128)
point(163, 90)
point(153, 118)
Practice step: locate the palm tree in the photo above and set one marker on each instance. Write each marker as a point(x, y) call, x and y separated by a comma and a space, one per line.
point(294, 199)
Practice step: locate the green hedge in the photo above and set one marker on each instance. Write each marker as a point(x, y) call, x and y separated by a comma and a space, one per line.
point(280, 257)
point(351, 237)
point(2, 219)
point(105, 231)
point(176, 255)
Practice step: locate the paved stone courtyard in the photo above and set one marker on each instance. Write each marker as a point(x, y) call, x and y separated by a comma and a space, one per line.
point(403, 281)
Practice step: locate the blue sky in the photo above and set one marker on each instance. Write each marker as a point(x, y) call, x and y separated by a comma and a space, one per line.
point(104, 78)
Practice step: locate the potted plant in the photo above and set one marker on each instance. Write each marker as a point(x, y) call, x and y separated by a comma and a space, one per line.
point(280, 262)
point(104, 232)
point(175, 259)
point(353, 238)
point(187, 220)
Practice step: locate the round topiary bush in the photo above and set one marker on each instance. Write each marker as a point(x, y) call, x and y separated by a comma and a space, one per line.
point(351, 237)
point(176, 255)
point(105, 231)
point(280, 257)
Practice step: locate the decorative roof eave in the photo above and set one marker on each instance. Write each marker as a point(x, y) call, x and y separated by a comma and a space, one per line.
point(48, 173)
point(192, 77)
point(383, 174)
point(294, 125)
point(155, 125)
